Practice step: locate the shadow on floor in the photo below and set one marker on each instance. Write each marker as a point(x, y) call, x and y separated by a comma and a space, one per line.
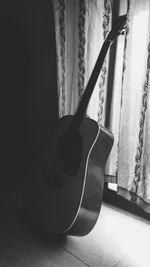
point(23, 244)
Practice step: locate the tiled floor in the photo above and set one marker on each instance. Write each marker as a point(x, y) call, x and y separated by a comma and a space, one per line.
point(118, 240)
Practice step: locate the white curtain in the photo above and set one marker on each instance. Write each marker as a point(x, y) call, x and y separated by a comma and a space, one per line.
point(81, 27)
point(133, 146)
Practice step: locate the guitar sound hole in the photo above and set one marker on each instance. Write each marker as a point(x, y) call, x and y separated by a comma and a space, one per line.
point(69, 152)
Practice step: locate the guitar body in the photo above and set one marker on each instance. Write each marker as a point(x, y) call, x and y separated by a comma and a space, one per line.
point(67, 202)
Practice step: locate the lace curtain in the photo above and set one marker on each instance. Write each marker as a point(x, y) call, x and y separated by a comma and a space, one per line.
point(81, 28)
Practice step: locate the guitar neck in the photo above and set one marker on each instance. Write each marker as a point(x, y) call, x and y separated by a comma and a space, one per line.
point(91, 84)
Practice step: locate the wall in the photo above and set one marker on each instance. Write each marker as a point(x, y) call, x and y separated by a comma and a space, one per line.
point(28, 86)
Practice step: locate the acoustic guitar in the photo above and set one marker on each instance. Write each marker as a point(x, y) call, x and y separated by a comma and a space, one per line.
point(73, 169)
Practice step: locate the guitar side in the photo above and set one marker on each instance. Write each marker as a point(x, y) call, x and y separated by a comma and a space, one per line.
point(91, 200)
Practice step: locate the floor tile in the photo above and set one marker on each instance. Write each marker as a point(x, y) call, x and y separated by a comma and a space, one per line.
point(129, 261)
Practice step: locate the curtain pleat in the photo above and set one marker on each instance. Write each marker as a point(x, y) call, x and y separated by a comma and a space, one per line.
point(60, 29)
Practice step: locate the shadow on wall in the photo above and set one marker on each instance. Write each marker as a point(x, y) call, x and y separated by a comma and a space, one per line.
point(28, 85)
